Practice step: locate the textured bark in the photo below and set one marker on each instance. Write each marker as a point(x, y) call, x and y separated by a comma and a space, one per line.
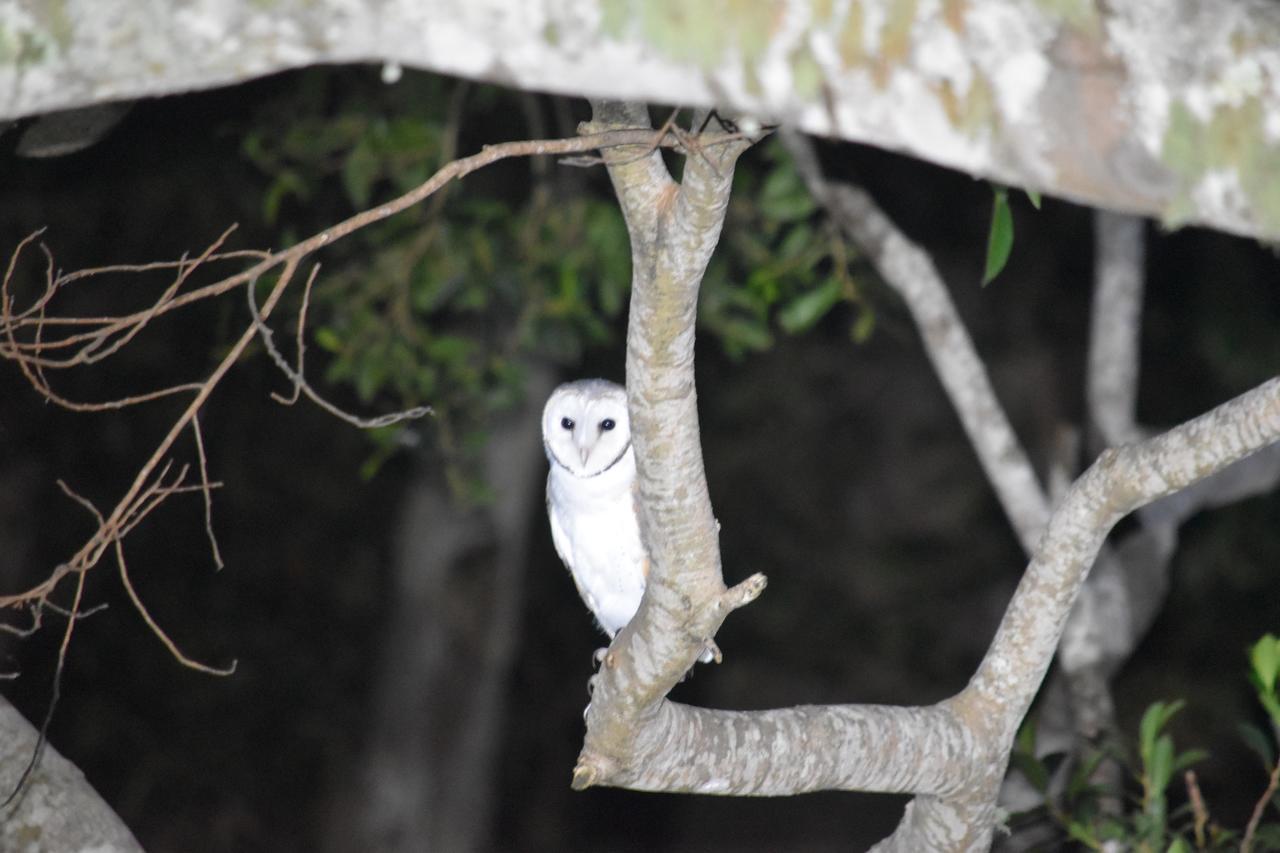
point(1171, 109)
point(58, 811)
point(1115, 326)
point(1127, 585)
point(953, 755)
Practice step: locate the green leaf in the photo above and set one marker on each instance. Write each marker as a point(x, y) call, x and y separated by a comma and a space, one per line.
point(1083, 834)
point(784, 197)
point(1179, 845)
point(1153, 721)
point(327, 339)
point(1186, 759)
point(1000, 237)
point(361, 169)
point(863, 326)
point(739, 336)
point(1034, 198)
point(1272, 703)
point(1160, 767)
point(1035, 771)
point(287, 183)
point(1265, 658)
point(807, 309)
point(1256, 740)
point(798, 239)
point(369, 376)
point(1079, 783)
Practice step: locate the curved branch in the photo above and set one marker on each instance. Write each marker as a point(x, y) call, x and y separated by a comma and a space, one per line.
point(1119, 482)
point(908, 269)
point(58, 806)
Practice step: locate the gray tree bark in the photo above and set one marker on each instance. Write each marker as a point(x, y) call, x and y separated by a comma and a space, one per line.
point(1170, 109)
point(58, 811)
point(952, 755)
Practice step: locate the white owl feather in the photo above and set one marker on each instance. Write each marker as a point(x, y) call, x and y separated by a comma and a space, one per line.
point(591, 499)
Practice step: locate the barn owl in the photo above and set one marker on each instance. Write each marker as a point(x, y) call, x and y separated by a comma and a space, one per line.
point(591, 499)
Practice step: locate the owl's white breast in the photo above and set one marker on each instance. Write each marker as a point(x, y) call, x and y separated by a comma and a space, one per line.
point(601, 538)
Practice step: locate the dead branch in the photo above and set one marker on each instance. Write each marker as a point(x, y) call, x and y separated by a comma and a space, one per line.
point(300, 384)
point(38, 340)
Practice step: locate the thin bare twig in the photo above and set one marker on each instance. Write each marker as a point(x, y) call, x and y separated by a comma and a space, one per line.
point(1246, 844)
point(1199, 810)
point(43, 739)
point(300, 341)
point(155, 628)
point(90, 337)
point(300, 382)
point(205, 488)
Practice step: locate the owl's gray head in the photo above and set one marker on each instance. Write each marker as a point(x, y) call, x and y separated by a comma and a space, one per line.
point(585, 426)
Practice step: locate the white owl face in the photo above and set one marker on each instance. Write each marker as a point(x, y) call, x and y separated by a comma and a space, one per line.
point(585, 426)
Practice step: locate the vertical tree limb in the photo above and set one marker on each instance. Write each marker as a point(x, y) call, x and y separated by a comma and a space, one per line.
point(674, 229)
point(1115, 325)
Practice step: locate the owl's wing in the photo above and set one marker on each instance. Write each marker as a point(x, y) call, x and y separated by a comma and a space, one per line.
point(560, 539)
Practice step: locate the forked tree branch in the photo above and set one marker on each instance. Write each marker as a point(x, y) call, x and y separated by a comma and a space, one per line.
point(40, 341)
point(953, 754)
point(674, 230)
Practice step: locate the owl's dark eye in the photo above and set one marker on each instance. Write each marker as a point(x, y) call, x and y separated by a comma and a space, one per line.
point(608, 424)
point(567, 423)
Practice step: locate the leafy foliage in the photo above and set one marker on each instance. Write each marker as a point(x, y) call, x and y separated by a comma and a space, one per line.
point(781, 265)
point(1092, 815)
point(444, 303)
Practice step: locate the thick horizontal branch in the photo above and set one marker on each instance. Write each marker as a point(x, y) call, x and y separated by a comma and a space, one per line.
point(1168, 109)
point(799, 750)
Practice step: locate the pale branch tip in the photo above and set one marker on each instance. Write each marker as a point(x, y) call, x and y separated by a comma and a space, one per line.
point(584, 776)
point(742, 594)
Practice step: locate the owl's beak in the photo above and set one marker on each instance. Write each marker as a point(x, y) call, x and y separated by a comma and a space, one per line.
point(580, 440)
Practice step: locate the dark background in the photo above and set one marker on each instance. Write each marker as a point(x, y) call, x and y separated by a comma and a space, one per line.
point(840, 470)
